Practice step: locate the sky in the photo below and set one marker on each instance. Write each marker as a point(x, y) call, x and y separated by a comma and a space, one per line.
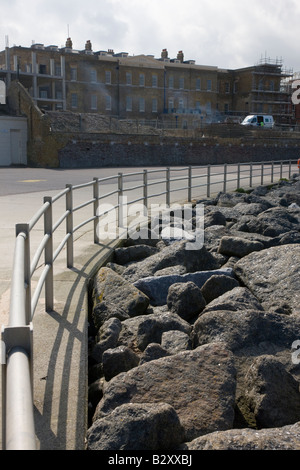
point(229, 34)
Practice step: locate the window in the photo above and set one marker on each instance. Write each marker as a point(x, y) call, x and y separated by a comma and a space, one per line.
point(154, 105)
point(208, 107)
point(42, 69)
point(73, 74)
point(108, 77)
point(142, 105)
point(154, 81)
point(142, 79)
point(58, 70)
point(44, 94)
point(227, 87)
point(209, 85)
point(128, 103)
point(226, 107)
point(171, 104)
point(93, 76)
point(198, 84)
point(180, 104)
point(94, 102)
point(108, 103)
point(235, 87)
point(128, 78)
point(74, 100)
point(171, 82)
point(181, 83)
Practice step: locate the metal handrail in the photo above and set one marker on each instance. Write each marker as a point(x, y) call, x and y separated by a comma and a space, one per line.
point(17, 394)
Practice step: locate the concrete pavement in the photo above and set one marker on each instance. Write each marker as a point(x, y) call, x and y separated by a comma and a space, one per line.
point(60, 337)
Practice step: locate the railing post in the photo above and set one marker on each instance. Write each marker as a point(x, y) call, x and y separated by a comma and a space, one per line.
point(272, 172)
point(238, 176)
point(145, 180)
point(280, 170)
point(208, 181)
point(24, 228)
point(120, 200)
point(262, 174)
point(225, 177)
point(190, 184)
point(69, 223)
point(168, 187)
point(96, 208)
point(251, 175)
point(48, 230)
point(290, 169)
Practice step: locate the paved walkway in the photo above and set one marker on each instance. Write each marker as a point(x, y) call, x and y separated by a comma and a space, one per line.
point(60, 337)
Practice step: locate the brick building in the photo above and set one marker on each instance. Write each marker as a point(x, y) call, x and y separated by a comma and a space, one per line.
point(178, 92)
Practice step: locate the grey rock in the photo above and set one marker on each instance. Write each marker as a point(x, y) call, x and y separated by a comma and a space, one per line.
point(218, 285)
point(230, 199)
point(247, 330)
point(240, 247)
point(199, 385)
point(125, 255)
point(137, 426)
point(175, 341)
point(153, 351)
point(214, 217)
point(238, 298)
point(273, 277)
point(113, 290)
point(156, 288)
point(107, 338)
point(140, 331)
point(273, 404)
point(279, 438)
point(273, 222)
point(170, 271)
point(117, 360)
point(175, 254)
point(185, 299)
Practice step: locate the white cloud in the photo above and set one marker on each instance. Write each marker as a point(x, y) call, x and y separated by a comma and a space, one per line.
point(227, 34)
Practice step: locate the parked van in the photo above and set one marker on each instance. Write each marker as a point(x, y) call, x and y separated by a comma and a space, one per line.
point(259, 120)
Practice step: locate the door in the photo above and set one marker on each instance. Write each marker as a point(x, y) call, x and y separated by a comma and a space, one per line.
point(16, 147)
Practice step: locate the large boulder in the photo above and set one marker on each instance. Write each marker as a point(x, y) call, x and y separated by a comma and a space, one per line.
point(114, 296)
point(272, 275)
point(140, 331)
point(137, 426)
point(185, 299)
point(157, 288)
point(272, 393)
point(217, 285)
point(199, 385)
point(236, 246)
point(175, 254)
point(284, 438)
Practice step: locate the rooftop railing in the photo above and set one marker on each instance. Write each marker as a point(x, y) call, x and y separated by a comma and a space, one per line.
point(187, 183)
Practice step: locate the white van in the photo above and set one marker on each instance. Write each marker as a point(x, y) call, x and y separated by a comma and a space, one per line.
point(260, 120)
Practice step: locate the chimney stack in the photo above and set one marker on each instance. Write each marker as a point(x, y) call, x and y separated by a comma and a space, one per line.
point(180, 56)
point(164, 54)
point(88, 45)
point(69, 43)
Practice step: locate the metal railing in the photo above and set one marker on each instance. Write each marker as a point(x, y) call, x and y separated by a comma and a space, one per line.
point(18, 431)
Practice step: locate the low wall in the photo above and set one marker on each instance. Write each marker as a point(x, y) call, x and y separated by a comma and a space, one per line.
point(113, 150)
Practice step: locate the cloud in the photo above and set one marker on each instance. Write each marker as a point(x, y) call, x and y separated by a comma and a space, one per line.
point(227, 34)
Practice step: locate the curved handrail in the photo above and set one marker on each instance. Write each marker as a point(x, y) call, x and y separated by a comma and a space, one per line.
point(18, 423)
